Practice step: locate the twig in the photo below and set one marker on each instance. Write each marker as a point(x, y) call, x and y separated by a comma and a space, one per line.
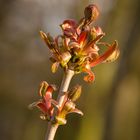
point(52, 128)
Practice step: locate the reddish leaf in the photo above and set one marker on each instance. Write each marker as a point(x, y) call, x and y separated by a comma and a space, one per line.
point(105, 55)
point(82, 38)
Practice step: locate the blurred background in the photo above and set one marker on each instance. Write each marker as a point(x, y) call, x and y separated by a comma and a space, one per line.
point(111, 104)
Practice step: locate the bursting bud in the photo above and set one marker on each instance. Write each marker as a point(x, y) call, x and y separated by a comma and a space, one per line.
point(91, 12)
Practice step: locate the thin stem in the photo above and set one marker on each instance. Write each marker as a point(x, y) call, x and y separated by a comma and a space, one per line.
point(64, 86)
point(52, 128)
point(51, 131)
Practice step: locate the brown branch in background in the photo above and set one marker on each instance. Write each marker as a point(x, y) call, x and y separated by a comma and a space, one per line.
point(123, 71)
point(5, 6)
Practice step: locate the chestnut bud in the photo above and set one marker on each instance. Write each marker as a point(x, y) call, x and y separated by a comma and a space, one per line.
point(91, 12)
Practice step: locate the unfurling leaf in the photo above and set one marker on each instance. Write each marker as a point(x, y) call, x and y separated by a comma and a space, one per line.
point(43, 88)
point(102, 58)
point(69, 106)
point(115, 54)
point(77, 111)
point(75, 93)
point(54, 67)
point(32, 105)
point(48, 40)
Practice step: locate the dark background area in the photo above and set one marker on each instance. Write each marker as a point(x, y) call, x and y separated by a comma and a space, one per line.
point(111, 104)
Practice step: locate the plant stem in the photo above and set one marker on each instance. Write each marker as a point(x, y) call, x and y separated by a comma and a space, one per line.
point(52, 128)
